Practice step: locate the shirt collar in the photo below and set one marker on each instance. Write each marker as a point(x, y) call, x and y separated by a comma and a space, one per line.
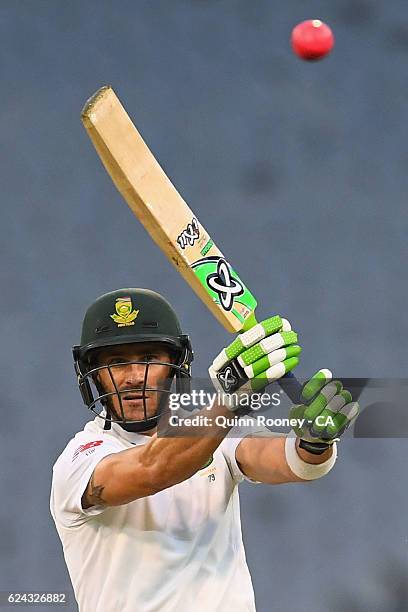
point(117, 431)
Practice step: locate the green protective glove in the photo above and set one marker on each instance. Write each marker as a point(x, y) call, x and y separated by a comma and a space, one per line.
point(256, 358)
point(329, 411)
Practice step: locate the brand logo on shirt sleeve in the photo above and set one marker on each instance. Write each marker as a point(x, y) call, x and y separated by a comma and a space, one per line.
point(89, 446)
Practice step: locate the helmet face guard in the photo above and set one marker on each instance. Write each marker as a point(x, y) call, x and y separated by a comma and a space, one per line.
point(100, 401)
point(102, 329)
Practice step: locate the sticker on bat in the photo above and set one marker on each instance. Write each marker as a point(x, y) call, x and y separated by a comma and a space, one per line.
point(189, 235)
point(224, 286)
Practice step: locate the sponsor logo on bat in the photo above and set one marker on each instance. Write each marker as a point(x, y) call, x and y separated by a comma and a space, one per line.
point(224, 285)
point(189, 235)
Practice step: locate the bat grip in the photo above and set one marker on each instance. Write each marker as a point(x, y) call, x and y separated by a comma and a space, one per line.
point(294, 389)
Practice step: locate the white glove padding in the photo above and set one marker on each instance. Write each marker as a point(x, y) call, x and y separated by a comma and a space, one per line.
point(257, 357)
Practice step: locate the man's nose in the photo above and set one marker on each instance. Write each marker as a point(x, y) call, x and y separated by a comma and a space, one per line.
point(135, 374)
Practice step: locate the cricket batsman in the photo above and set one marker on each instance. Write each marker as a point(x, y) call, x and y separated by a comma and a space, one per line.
point(151, 523)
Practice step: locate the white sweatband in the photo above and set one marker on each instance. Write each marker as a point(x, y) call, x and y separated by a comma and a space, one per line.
point(307, 471)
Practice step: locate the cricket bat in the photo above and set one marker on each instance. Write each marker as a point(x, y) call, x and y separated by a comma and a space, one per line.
point(166, 216)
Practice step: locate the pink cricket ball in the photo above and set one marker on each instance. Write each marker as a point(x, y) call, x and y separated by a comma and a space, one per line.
point(312, 39)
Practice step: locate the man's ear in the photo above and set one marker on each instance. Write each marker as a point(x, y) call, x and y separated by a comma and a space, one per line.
point(94, 362)
point(98, 384)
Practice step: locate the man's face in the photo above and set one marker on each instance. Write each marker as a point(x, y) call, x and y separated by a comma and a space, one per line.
point(130, 378)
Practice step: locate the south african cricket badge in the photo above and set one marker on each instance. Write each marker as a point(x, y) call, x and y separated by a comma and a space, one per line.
point(125, 314)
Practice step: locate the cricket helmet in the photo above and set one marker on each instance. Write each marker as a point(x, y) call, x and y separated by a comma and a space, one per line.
point(130, 316)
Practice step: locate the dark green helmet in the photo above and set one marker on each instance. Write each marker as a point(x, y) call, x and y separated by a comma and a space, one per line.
point(129, 316)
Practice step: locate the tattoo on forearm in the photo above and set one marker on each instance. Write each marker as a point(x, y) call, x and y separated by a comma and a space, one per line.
point(93, 495)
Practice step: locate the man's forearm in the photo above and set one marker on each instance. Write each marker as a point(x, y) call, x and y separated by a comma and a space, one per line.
point(178, 456)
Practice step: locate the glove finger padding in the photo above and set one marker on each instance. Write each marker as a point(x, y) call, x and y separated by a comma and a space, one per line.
point(342, 420)
point(273, 373)
point(329, 414)
point(333, 408)
point(317, 382)
point(271, 359)
point(267, 346)
point(328, 392)
point(249, 338)
point(262, 354)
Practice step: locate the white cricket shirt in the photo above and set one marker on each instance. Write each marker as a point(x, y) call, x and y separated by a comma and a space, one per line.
point(179, 550)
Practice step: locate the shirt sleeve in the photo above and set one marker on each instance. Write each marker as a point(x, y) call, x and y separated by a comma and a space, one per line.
point(230, 443)
point(229, 446)
point(71, 475)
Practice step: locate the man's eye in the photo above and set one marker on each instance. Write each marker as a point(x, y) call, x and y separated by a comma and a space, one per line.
point(115, 360)
point(150, 357)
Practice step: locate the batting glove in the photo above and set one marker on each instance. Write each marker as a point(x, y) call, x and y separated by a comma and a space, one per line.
point(256, 358)
point(329, 410)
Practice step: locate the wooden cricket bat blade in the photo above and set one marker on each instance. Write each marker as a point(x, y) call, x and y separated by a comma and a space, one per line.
point(163, 212)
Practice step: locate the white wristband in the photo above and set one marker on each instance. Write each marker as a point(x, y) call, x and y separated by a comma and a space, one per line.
point(307, 471)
